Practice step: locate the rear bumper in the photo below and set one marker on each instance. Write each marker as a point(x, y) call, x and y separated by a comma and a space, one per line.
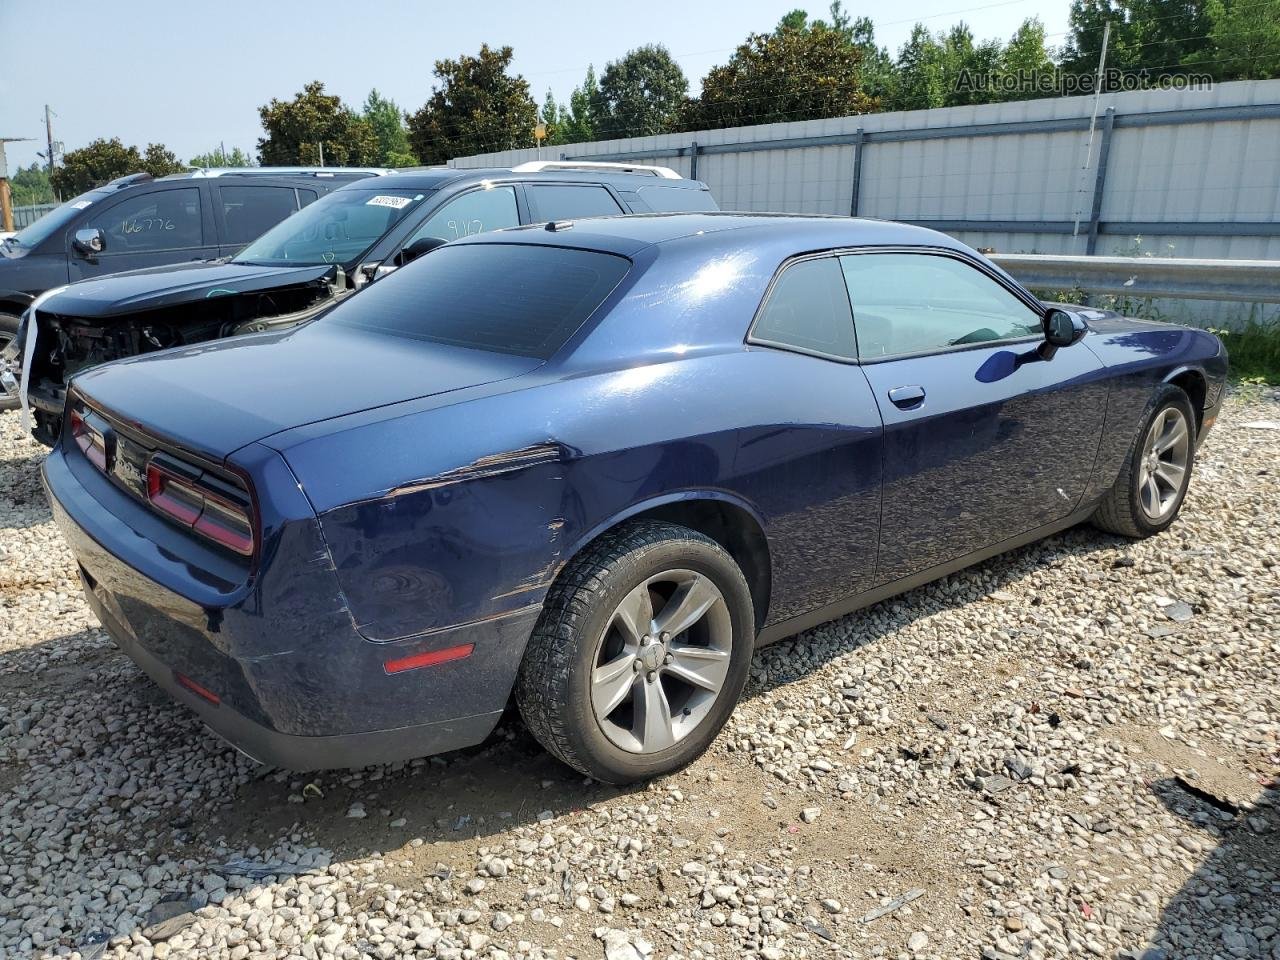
point(270, 746)
point(276, 667)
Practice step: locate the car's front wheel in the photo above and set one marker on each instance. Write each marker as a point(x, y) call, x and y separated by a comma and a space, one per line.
point(1149, 492)
point(8, 330)
point(640, 654)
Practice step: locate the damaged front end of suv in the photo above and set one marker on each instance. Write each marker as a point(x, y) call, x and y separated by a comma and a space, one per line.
point(94, 322)
point(294, 272)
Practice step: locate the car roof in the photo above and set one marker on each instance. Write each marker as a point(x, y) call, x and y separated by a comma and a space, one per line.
point(433, 178)
point(627, 235)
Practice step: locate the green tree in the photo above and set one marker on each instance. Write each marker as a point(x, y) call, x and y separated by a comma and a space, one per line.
point(386, 119)
point(640, 94)
point(550, 117)
point(790, 74)
point(578, 123)
point(104, 160)
point(31, 185)
point(315, 124)
point(878, 74)
point(920, 72)
point(969, 67)
point(1026, 63)
point(1148, 37)
point(159, 161)
point(479, 107)
point(1245, 39)
point(220, 158)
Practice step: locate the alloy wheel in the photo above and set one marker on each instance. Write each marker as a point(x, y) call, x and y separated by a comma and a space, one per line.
point(12, 368)
point(1166, 456)
point(662, 661)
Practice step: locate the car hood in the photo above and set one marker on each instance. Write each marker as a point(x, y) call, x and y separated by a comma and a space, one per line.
point(213, 398)
point(140, 290)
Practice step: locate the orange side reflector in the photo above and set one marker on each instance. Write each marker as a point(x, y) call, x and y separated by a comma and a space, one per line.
point(199, 691)
point(430, 658)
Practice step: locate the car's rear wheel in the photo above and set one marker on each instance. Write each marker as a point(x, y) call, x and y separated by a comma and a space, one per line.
point(8, 330)
point(1152, 484)
point(640, 654)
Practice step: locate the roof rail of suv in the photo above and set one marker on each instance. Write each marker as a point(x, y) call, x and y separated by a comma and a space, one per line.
point(534, 166)
point(278, 171)
point(129, 180)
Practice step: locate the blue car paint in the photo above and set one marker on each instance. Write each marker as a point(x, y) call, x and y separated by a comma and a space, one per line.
point(415, 497)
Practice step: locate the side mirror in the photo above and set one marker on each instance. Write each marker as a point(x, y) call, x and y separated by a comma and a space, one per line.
point(416, 249)
point(90, 241)
point(1061, 329)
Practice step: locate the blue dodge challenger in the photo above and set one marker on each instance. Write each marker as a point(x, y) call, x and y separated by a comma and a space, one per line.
point(589, 468)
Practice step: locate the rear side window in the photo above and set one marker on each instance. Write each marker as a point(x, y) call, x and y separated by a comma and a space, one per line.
point(808, 308)
point(570, 201)
point(249, 212)
point(677, 200)
point(491, 208)
point(450, 296)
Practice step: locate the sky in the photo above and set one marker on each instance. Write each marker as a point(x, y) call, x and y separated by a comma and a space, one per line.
point(192, 76)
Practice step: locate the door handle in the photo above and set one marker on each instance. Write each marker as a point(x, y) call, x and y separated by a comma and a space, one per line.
point(907, 398)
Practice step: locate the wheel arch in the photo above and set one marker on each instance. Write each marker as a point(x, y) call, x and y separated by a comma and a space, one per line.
point(725, 518)
point(1196, 386)
point(15, 302)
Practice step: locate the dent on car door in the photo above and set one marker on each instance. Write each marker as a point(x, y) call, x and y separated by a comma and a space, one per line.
point(984, 439)
point(147, 229)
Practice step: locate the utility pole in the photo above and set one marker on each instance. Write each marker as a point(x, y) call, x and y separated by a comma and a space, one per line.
point(6, 197)
point(48, 132)
point(320, 144)
point(1093, 122)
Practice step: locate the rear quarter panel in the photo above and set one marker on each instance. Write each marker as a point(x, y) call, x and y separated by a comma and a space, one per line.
point(1140, 355)
point(475, 522)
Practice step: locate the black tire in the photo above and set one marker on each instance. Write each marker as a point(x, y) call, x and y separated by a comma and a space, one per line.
point(8, 330)
point(1121, 511)
point(553, 688)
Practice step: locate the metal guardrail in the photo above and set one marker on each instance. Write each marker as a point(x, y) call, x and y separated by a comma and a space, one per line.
point(1248, 281)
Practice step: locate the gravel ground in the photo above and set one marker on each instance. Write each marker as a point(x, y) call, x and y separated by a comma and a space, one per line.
point(1068, 751)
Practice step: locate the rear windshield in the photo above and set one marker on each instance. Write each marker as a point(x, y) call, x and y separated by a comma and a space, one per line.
point(506, 298)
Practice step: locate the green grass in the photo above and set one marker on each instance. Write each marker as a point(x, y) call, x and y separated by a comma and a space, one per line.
point(1254, 351)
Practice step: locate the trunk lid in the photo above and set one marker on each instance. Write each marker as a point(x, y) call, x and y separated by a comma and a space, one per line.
point(216, 397)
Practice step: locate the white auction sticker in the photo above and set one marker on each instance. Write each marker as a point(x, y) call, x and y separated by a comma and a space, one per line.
point(395, 203)
point(81, 204)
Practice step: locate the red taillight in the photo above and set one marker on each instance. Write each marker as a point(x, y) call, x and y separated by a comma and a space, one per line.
point(89, 440)
point(194, 505)
point(430, 658)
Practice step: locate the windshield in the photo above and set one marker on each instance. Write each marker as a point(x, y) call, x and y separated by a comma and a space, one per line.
point(449, 296)
point(337, 228)
point(53, 221)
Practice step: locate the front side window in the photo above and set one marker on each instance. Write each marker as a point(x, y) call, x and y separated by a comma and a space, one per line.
point(338, 228)
point(479, 211)
point(249, 212)
point(159, 220)
point(906, 303)
point(808, 309)
point(451, 297)
point(570, 201)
